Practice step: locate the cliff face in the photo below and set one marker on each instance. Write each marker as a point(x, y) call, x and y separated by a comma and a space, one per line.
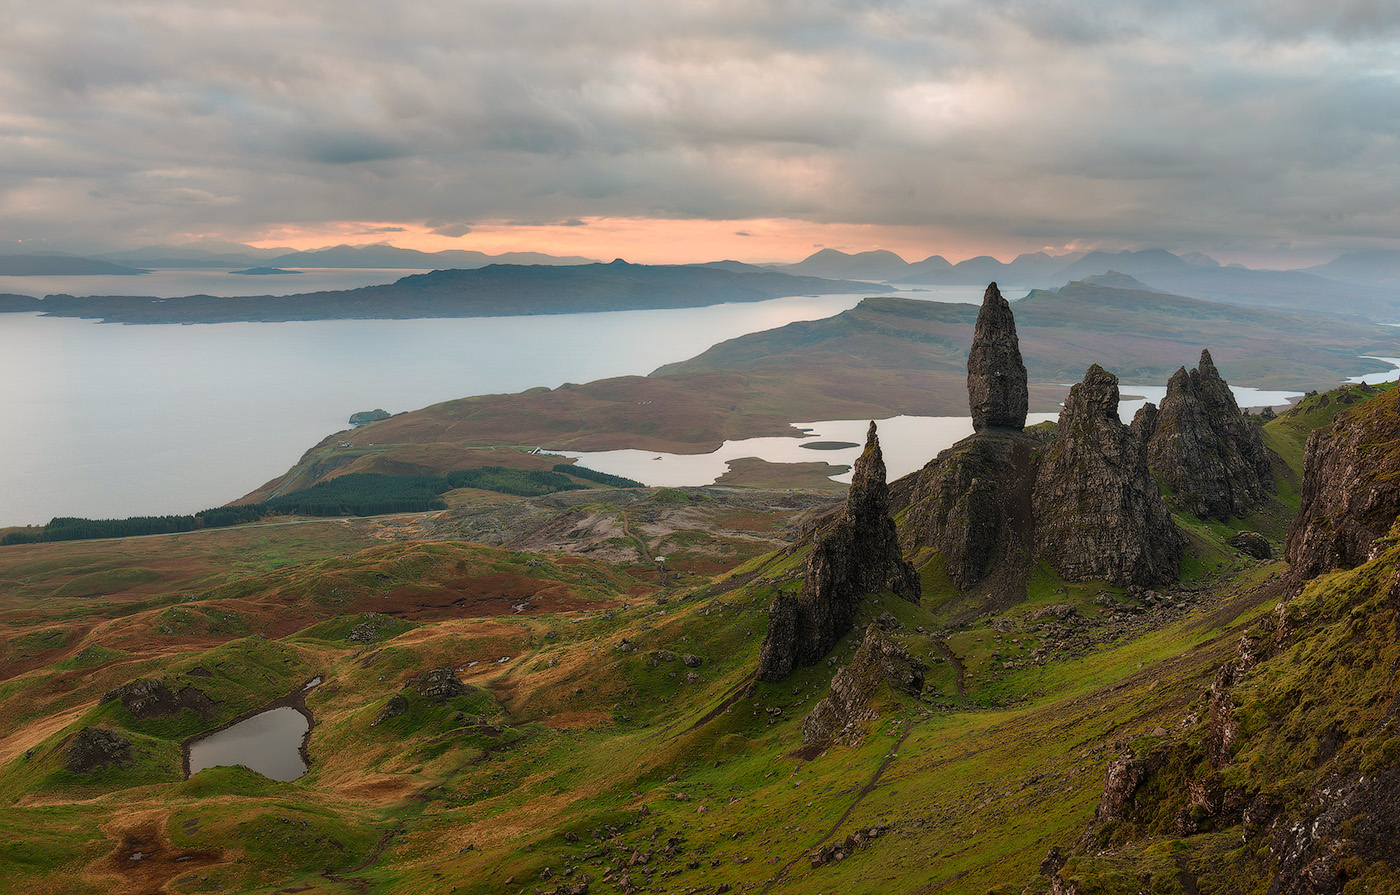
point(1098, 511)
point(973, 504)
point(1207, 453)
point(1351, 490)
point(857, 554)
point(996, 375)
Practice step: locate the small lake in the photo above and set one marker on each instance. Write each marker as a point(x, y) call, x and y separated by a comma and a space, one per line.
point(907, 442)
point(268, 743)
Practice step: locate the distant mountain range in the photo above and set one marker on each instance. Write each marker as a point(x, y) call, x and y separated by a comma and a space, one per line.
point(499, 290)
point(1353, 285)
point(1364, 284)
point(1374, 268)
point(234, 255)
point(61, 265)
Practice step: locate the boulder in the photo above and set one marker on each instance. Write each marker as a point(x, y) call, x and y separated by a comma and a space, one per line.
point(1098, 512)
point(1251, 543)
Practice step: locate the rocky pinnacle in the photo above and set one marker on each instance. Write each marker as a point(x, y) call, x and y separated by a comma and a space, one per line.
point(1205, 450)
point(1098, 511)
point(854, 555)
point(996, 376)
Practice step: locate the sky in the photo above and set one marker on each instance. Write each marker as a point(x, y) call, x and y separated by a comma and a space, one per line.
point(1261, 131)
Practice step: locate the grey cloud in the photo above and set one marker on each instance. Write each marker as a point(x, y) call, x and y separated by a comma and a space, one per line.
point(452, 230)
point(1136, 123)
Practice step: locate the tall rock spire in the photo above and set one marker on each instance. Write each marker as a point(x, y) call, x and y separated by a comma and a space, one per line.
point(857, 554)
point(996, 376)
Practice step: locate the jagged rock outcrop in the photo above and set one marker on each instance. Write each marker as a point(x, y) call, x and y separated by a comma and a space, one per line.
point(973, 504)
point(439, 685)
point(154, 698)
point(996, 377)
point(1121, 781)
point(1251, 543)
point(1353, 816)
point(1098, 511)
point(96, 747)
point(855, 554)
point(1144, 424)
point(1205, 450)
point(1351, 489)
point(856, 689)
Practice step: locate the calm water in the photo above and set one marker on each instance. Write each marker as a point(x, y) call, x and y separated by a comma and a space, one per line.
point(269, 743)
point(907, 442)
point(176, 283)
point(107, 421)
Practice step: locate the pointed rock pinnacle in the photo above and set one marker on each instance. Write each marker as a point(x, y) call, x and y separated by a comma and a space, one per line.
point(996, 376)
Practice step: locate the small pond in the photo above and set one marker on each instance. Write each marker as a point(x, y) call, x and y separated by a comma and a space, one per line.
point(269, 742)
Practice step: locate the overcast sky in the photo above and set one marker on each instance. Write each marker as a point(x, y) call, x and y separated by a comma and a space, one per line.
point(685, 130)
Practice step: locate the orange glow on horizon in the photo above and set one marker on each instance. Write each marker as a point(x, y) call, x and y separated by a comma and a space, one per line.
point(650, 241)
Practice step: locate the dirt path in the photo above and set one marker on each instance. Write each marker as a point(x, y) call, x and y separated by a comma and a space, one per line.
point(641, 543)
point(958, 669)
point(865, 790)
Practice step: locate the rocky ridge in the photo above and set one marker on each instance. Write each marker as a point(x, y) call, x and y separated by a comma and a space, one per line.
point(881, 662)
point(1204, 449)
point(855, 554)
point(1292, 753)
point(1351, 490)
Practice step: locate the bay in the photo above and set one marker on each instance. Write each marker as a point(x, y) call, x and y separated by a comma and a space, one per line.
point(108, 421)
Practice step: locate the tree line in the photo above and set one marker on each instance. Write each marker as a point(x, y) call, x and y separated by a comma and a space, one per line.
point(353, 494)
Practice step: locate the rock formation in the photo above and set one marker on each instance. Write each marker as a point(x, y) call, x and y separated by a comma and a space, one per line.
point(96, 747)
point(996, 377)
point(1098, 511)
point(1144, 424)
point(972, 503)
point(855, 554)
point(1210, 456)
point(154, 698)
point(1351, 489)
point(856, 689)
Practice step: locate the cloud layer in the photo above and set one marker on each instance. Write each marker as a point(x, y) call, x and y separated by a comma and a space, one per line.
point(1233, 126)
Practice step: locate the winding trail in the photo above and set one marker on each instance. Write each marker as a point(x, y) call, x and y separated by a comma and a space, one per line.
point(958, 669)
point(865, 790)
point(627, 530)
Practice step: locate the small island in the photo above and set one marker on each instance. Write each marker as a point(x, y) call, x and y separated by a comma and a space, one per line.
point(264, 271)
point(368, 416)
